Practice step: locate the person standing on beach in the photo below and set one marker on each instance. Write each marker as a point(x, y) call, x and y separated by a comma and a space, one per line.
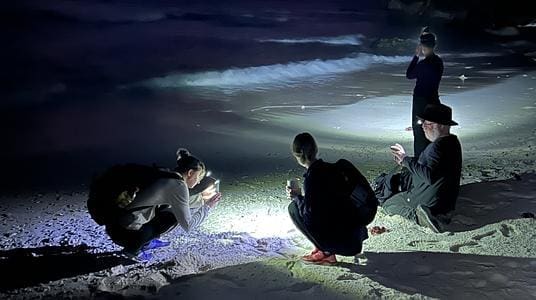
point(428, 73)
point(435, 175)
point(335, 207)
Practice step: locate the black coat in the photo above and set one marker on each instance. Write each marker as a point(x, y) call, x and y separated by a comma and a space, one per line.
point(327, 206)
point(436, 175)
point(428, 73)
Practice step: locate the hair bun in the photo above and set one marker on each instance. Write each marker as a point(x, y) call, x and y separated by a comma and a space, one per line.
point(182, 152)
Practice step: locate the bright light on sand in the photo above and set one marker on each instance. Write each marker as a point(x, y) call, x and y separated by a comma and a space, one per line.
point(263, 222)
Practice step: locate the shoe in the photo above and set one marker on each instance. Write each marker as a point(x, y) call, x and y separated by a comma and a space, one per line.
point(154, 244)
point(425, 218)
point(309, 256)
point(320, 258)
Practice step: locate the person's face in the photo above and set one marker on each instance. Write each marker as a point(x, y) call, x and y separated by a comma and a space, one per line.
point(430, 129)
point(193, 177)
point(426, 51)
point(299, 160)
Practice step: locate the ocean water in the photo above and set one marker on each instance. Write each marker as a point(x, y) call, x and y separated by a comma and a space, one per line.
point(102, 82)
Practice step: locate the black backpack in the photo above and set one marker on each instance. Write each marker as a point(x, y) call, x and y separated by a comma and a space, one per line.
point(352, 184)
point(117, 182)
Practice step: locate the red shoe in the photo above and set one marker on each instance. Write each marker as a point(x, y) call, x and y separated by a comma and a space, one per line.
point(320, 258)
point(309, 256)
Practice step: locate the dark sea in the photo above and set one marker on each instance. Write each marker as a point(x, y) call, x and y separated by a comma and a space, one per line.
point(89, 84)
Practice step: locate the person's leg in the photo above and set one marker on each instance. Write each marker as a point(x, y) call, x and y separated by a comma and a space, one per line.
point(426, 219)
point(420, 142)
point(163, 222)
point(131, 240)
point(134, 240)
point(321, 254)
point(298, 222)
point(398, 205)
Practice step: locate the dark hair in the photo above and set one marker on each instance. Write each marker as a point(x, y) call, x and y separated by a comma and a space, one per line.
point(304, 146)
point(186, 162)
point(428, 39)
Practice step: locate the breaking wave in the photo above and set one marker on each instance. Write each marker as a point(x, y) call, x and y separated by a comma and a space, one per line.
point(276, 74)
point(354, 40)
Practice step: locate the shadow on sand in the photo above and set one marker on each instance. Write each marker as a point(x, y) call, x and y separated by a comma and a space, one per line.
point(450, 275)
point(431, 274)
point(489, 202)
point(26, 267)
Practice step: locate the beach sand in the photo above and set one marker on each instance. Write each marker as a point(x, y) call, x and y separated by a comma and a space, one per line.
point(248, 248)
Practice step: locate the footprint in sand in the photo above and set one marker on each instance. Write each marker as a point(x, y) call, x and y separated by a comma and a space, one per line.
point(348, 277)
point(456, 247)
point(422, 243)
point(483, 235)
point(290, 265)
point(506, 230)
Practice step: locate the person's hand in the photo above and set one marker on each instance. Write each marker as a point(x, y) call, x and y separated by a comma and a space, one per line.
point(418, 50)
point(208, 193)
point(214, 200)
point(398, 153)
point(292, 193)
point(409, 128)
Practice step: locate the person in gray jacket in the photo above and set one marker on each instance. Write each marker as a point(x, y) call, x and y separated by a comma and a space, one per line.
point(160, 206)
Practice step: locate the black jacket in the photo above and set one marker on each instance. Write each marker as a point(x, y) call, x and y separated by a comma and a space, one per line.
point(436, 174)
point(428, 73)
point(326, 204)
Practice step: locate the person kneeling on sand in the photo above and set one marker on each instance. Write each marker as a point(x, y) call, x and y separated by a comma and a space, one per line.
point(152, 203)
point(428, 185)
point(336, 206)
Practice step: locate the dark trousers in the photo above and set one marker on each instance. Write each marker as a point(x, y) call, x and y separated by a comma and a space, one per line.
point(399, 205)
point(419, 139)
point(420, 142)
point(343, 243)
point(134, 240)
point(397, 202)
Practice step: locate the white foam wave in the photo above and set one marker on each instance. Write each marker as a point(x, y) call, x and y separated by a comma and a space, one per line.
point(354, 40)
point(276, 74)
point(533, 24)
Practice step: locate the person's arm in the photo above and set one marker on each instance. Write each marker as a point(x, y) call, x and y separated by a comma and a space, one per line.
point(180, 206)
point(411, 72)
point(429, 172)
point(312, 192)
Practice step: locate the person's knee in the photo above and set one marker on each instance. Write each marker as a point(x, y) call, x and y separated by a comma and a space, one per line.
point(293, 210)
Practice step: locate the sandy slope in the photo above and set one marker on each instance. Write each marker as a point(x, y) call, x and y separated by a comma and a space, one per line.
point(487, 252)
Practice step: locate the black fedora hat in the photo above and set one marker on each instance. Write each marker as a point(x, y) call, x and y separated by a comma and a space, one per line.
point(438, 113)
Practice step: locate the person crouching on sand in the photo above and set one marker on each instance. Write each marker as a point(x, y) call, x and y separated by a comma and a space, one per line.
point(160, 206)
point(336, 206)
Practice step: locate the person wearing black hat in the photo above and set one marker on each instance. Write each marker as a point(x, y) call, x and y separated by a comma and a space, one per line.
point(428, 73)
point(435, 174)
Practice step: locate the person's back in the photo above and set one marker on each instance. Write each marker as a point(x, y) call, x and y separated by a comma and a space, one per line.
point(428, 73)
point(328, 193)
point(440, 190)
